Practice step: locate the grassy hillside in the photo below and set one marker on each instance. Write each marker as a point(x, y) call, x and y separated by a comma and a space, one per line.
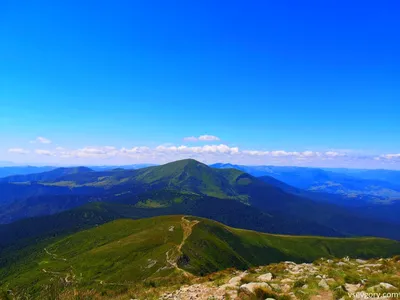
point(213, 246)
point(167, 249)
point(232, 213)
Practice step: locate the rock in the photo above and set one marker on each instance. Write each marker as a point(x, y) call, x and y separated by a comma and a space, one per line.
point(287, 280)
point(305, 286)
point(249, 288)
point(370, 266)
point(323, 284)
point(270, 299)
point(383, 286)
point(340, 264)
point(330, 280)
point(361, 261)
point(329, 261)
point(387, 286)
point(351, 288)
point(286, 288)
point(265, 277)
point(318, 276)
point(235, 280)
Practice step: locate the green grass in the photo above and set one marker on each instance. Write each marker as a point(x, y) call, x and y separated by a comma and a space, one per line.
point(125, 253)
point(214, 247)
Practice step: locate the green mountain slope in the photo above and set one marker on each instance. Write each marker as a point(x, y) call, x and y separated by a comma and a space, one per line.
point(125, 252)
point(154, 188)
point(232, 213)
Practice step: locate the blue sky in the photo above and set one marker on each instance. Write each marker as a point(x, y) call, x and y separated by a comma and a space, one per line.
point(274, 80)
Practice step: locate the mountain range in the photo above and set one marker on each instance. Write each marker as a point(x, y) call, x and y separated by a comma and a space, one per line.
point(172, 222)
point(355, 185)
point(189, 187)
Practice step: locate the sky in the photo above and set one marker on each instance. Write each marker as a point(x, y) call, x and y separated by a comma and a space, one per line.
point(308, 83)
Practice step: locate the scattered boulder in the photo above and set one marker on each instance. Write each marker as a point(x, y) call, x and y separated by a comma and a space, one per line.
point(330, 281)
point(361, 261)
point(387, 286)
point(351, 288)
point(323, 284)
point(265, 277)
point(383, 286)
point(286, 288)
point(249, 288)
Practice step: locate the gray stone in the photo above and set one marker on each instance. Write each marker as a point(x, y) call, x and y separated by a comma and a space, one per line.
point(323, 284)
point(361, 261)
point(387, 286)
point(265, 277)
point(249, 288)
point(351, 288)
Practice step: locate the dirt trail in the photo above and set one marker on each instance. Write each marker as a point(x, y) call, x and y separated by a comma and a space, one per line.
point(54, 256)
point(325, 295)
point(187, 227)
point(172, 260)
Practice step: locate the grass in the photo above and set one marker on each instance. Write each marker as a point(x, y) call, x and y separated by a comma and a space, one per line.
point(114, 258)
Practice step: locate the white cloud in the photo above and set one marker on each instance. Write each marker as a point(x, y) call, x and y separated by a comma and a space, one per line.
point(18, 151)
point(203, 149)
point(41, 140)
point(208, 138)
point(209, 153)
point(182, 151)
point(256, 152)
point(389, 156)
point(333, 154)
point(44, 152)
point(204, 138)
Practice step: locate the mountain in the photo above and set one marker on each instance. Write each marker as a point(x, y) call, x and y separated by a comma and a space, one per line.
point(232, 213)
point(46, 176)
point(184, 186)
point(18, 170)
point(367, 185)
point(125, 167)
point(159, 251)
point(392, 176)
point(339, 199)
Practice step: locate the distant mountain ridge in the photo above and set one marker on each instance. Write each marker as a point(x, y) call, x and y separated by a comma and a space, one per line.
point(185, 186)
point(374, 185)
point(46, 176)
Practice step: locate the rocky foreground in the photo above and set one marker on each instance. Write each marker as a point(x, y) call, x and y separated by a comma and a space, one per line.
point(324, 279)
